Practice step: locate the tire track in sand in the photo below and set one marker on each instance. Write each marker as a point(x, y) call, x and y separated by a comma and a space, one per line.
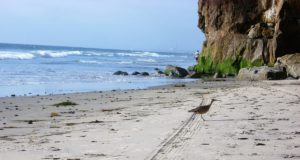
point(175, 144)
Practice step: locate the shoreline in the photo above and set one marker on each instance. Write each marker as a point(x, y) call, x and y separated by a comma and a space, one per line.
point(191, 83)
point(251, 120)
point(88, 90)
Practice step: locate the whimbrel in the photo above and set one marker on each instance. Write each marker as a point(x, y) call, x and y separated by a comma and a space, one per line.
point(202, 109)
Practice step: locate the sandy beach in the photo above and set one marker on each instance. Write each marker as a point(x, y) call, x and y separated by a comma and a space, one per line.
point(250, 120)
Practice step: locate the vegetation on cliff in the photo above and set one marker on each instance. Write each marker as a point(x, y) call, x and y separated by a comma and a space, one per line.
point(225, 67)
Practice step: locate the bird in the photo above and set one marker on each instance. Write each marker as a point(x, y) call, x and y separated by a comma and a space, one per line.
point(202, 109)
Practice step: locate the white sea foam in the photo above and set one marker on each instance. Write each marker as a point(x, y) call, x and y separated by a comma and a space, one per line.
point(15, 55)
point(109, 54)
point(125, 62)
point(89, 62)
point(146, 60)
point(152, 54)
point(22, 55)
point(56, 54)
point(142, 54)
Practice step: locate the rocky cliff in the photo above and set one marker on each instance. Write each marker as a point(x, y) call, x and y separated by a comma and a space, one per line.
point(255, 30)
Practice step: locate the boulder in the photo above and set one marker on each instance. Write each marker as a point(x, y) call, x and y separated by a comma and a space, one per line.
point(136, 73)
point(261, 73)
point(119, 73)
point(160, 72)
point(145, 74)
point(290, 63)
point(174, 71)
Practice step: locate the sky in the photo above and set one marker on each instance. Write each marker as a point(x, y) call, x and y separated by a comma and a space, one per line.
point(150, 25)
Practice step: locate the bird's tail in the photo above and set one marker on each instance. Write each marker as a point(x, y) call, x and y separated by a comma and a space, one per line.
point(193, 110)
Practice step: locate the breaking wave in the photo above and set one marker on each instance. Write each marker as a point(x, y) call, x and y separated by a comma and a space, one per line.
point(57, 54)
point(146, 60)
point(33, 54)
point(15, 55)
point(124, 62)
point(143, 54)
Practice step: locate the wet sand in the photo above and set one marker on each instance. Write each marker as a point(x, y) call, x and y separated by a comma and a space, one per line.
point(251, 120)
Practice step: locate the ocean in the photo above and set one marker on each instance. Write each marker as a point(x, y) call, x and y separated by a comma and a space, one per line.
point(42, 70)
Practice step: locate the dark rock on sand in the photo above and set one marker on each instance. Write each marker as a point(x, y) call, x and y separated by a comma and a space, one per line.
point(290, 63)
point(121, 73)
point(260, 144)
point(179, 85)
point(96, 121)
point(261, 73)
point(174, 71)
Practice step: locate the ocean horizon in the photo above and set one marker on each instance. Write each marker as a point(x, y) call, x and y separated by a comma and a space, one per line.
point(41, 70)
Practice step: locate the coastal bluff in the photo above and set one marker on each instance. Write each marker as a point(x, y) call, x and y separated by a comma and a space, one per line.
point(250, 31)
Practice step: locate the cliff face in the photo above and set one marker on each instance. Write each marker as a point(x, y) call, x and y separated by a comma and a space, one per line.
point(253, 29)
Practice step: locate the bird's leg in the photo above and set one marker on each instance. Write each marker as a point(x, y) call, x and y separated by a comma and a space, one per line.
point(202, 118)
point(193, 116)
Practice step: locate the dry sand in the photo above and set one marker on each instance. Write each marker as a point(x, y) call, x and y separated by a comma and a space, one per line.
point(251, 120)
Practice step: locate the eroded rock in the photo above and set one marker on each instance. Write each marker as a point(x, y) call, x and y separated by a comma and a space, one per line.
point(261, 73)
point(253, 29)
point(290, 63)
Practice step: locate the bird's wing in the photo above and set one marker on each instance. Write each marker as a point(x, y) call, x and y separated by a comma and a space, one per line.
point(200, 106)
